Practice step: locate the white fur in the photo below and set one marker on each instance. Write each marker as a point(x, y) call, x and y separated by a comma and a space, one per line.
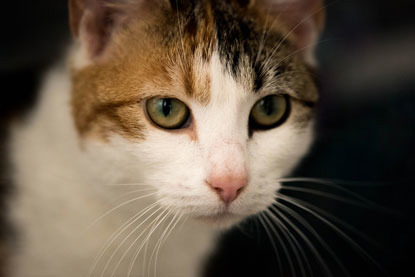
point(63, 181)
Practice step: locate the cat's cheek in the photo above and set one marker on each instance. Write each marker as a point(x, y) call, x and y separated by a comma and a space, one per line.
point(172, 162)
point(279, 151)
point(273, 155)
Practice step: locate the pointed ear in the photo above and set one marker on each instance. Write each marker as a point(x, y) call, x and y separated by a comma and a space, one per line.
point(94, 22)
point(303, 21)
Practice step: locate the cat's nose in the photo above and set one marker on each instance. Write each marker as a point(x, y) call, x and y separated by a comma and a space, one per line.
point(229, 186)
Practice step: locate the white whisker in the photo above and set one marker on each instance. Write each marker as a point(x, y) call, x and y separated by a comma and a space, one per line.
point(295, 28)
point(333, 219)
point(131, 192)
point(297, 247)
point(119, 206)
point(335, 181)
point(125, 239)
point(300, 50)
point(329, 196)
point(312, 230)
point(330, 183)
point(303, 205)
point(147, 240)
point(265, 35)
point(155, 224)
point(288, 238)
point(164, 238)
point(277, 255)
point(128, 185)
point(180, 26)
point(117, 233)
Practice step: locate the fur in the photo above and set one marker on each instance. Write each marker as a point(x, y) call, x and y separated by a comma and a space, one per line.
point(89, 137)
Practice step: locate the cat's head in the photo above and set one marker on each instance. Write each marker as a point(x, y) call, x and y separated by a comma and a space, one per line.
point(209, 102)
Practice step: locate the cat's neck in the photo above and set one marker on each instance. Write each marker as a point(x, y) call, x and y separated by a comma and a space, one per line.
point(60, 193)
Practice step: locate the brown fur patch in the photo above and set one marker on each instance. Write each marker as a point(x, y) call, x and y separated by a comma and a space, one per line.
point(166, 54)
point(157, 58)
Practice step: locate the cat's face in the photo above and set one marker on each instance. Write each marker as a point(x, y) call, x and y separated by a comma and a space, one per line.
point(207, 102)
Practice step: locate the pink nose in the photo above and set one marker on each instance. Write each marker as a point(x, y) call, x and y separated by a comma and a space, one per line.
point(229, 186)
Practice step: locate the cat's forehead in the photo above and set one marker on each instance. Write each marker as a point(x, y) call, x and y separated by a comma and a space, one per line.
point(172, 51)
point(170, 54)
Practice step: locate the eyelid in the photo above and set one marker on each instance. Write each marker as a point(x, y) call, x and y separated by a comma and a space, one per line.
point(279, 92)
point(295, 97)
point(309, 104)
point(164, 95)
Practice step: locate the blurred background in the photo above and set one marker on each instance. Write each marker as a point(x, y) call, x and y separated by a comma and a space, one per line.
point(365, 142)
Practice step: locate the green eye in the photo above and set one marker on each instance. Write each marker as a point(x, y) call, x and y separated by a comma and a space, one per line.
point(269, 112)
point(168, 113)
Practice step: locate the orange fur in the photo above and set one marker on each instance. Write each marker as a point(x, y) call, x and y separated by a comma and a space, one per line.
point(164, 54)
point(106, 95)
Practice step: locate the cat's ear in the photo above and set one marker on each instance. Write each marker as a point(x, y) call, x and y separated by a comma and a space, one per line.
point(93, 22)
point(303, 21)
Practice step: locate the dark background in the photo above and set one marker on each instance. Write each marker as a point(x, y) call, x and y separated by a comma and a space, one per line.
point(365, 137)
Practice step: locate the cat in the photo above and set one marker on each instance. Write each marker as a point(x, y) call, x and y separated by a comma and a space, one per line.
point(167, 123)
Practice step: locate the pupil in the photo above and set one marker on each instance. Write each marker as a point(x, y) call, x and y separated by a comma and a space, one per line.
point(166, 107)
point(268, 106)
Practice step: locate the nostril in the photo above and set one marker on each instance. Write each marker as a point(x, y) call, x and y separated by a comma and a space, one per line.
point(217, 189)
point(240, 190)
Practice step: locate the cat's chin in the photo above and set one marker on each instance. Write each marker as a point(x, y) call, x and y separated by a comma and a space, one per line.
point(222, 220)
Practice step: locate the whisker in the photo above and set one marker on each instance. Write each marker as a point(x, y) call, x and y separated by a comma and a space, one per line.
point(131, 192)
point(263, 38)
point(331, 184)
point(125, 239)
point(125, 185)
point(144, 260)
point(274, 82)
point(265, 33)
point(277, 255)
point(310, 245)
point(295, 28)
point(163, 230)
point(311, 229)
point(156, 247)
point(180, 26)
point(283, 38)
point(301, 49)
point(146, 240)
point(303, 205)
point(335, 220)
point(289, 237)
point(281, 241)
point(134, 242)
point(325, 183)
point(128, 185)
point(341, 182)
point(164, 238)
point(119, 206)
point(117, 233)
point(330, 196)
point(296, 242)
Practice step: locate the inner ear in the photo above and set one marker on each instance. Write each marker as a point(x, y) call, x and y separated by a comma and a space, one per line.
point(94, 21)
point(98, 28)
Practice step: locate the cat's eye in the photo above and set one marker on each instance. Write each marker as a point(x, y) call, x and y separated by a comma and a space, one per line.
point(167, 113)
point(269, 112)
